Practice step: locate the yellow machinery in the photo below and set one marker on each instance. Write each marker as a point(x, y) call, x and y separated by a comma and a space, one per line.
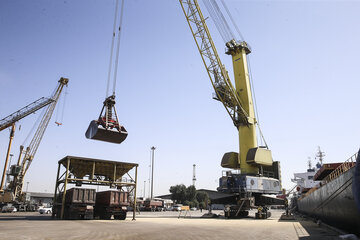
point(237, 101)
point(13, 192)
point(255, 163)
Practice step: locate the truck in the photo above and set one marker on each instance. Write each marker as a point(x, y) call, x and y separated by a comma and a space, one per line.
point(79, 204)
point(153, 205)
point(111, 203)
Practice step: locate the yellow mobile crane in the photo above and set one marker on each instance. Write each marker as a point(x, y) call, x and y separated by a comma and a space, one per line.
point(13, 191)
point(258, 175)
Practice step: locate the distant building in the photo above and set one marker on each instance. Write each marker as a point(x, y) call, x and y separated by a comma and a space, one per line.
point(40, 198)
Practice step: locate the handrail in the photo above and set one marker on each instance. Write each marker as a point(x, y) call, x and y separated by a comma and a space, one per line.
point(347, 165)
point(344, 167)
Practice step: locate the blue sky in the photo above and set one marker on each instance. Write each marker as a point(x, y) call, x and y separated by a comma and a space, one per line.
point(304, 64)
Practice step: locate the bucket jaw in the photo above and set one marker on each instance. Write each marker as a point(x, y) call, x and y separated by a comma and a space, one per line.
point(107, 127)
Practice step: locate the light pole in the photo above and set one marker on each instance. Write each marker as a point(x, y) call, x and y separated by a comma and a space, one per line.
point(144, 188)
point(27, 185)
point(152, 172)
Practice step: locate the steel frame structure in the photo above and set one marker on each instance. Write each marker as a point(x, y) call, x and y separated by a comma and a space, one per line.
point(89, 171)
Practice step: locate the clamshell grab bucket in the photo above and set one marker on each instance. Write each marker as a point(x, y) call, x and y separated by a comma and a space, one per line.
point(97, 132)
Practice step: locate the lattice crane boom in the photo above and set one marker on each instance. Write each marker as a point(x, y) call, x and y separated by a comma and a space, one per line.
point(225, 92)
point(25, 111)
point(28, 155)
point(237, 100)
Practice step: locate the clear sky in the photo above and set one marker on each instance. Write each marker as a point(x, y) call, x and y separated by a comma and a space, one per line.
point(304, 64)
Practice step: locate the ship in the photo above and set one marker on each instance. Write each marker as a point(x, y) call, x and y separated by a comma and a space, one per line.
point(331, 194)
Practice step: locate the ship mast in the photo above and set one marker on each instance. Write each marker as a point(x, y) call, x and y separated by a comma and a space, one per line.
point(320, 155)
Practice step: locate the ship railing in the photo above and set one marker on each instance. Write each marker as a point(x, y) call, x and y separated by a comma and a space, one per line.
point(347, 165)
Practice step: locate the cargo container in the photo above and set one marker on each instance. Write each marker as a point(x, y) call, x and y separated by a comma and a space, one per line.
point(153, 205)
point(79, 204)
point(111, 203)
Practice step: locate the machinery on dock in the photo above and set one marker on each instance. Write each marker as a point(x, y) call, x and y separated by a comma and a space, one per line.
point(107, 127)
point(79, 204)
point(255, 172)
point(12, 193)
point(80, 171)
point(111, 203)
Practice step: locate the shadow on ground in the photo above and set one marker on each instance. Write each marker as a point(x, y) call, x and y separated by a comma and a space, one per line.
point(12, 217)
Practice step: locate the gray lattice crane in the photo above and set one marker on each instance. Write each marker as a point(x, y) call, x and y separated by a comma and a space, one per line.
point(13, 192)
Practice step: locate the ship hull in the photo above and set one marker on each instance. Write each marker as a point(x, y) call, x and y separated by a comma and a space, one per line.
point(334, 203)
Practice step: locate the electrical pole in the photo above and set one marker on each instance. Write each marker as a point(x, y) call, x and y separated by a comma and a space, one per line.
point(144, 189)
point(152, 172)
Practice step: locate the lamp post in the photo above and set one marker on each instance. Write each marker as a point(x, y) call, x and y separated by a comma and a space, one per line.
point(152, 172)
point(144, 188)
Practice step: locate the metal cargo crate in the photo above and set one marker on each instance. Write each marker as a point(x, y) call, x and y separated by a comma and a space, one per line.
point(81, 196)
point(112, 198)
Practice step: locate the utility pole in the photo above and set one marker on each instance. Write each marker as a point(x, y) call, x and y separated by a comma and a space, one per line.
point(194, 177)
point(152, 172)
point(144, 188)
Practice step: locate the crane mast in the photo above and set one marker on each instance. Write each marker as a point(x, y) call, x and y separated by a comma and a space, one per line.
point(237, 101)
point(259, 175)
point(26, 156)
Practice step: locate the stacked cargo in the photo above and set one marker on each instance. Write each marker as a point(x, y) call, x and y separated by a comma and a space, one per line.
point(111, 203)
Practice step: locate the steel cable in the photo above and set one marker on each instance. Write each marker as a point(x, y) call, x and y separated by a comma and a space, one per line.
point(223, 21)
point(232, 20)
point(118, 46)
point(215, 20)
point(112, 48)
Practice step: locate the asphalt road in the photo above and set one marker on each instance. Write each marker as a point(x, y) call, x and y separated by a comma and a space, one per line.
point(163, 225)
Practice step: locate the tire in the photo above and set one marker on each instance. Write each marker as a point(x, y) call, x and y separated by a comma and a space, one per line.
point(121, 216)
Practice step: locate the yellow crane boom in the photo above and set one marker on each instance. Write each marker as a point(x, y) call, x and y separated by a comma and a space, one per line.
point(237, 101)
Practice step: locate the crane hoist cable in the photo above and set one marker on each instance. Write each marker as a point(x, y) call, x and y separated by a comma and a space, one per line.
point(232, 20)
point(107, 127)
point(227, 34)
point(219, 20)
point(61, 108)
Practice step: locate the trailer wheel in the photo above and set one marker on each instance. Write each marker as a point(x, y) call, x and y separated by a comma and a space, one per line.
point(121, 216)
